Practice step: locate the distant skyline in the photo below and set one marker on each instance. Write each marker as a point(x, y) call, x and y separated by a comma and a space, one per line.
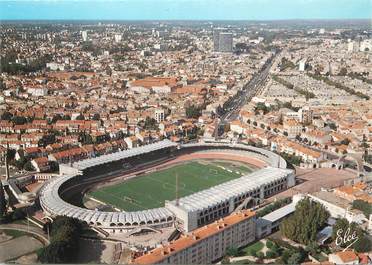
point(184, 9)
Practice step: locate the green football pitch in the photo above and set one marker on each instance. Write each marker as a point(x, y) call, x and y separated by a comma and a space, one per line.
point(151, 190)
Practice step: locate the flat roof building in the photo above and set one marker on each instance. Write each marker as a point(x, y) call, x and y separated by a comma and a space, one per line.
point(222, 40)
point(208, 205)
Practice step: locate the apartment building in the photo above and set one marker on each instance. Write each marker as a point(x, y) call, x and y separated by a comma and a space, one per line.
point(206, 244)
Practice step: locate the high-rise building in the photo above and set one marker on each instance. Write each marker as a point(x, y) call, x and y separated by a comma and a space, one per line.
point(302, 65)
point(216, 39)
point(350, 46)
point(84, 35)
point(306, 115)
point(118, 37)
point(226, 42)
point(159, 115)
point(222, 41)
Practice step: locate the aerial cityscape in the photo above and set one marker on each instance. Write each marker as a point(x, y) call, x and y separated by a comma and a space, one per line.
point(186, 132)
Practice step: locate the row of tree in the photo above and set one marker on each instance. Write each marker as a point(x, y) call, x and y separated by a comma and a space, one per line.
point(8, 65)
point(338, 85)
point(274, 206)
point(363, 206)
point(289, 85)
point(304, 224)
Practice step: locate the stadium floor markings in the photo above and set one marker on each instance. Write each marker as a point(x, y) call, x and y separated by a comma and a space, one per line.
point(137, 195)
point(166, 182)
point(121, 199)
point(194, 177)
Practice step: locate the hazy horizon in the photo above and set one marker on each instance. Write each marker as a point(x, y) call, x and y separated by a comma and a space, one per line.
point(204, 10)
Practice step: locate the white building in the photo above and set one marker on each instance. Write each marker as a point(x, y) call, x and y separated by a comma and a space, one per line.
point(365, 46)
point(269, 223)
point(55, 66)
point(118, 37)
point(211, 204)
point(306, 115)
point(350, 46)
point(302, 65)
point(159, 115)
point(338, 207)
point(84, 35)
point(161, 89)
point(37, 91)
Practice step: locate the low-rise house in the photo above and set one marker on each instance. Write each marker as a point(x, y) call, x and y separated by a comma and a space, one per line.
point(337, 206)
point(237, 127)
point(32, 152)
point(357, 191)
point(69, 156)
point(348, 257)
point(41, 164)
point(131, 141)
point(316, 136)
point(292, 127)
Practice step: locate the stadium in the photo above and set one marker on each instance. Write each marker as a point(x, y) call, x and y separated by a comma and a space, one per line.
point(165, 184)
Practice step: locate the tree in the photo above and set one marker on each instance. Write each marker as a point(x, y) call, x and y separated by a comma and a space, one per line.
point(342, 227)
point(271, 254)
point(28, 166)
point(193, 112)
point(150, 123)
point(332, 126)
point(343, 71)
point(364, 206)
point(2, 84)
point(364, 244)
point(307, 219)
point(20, 163)
point(64, 241)
point(313, 248)
point(260, 255)
point(56, 118)
point(55, 252)
point(232, 251)
point(6, 116)
point(54, 166)
point(261, 107)
point(80, 117)
point(285, 256)
point(296, 258)
point(19, 120)
point(47, 139)
point(96, 117)
point(85, 138)
point(2, 202)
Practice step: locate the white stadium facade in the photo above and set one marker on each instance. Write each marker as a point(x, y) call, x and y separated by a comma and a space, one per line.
point(189, 212)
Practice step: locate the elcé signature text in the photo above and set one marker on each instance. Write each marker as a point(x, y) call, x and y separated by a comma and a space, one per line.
point(346, 237)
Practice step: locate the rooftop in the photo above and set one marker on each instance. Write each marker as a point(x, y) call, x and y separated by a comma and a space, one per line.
point(81, 165)
point(190, 239)
point(223, 192)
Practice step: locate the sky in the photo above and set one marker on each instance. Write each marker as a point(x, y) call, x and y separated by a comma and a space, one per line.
point(184, 9)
